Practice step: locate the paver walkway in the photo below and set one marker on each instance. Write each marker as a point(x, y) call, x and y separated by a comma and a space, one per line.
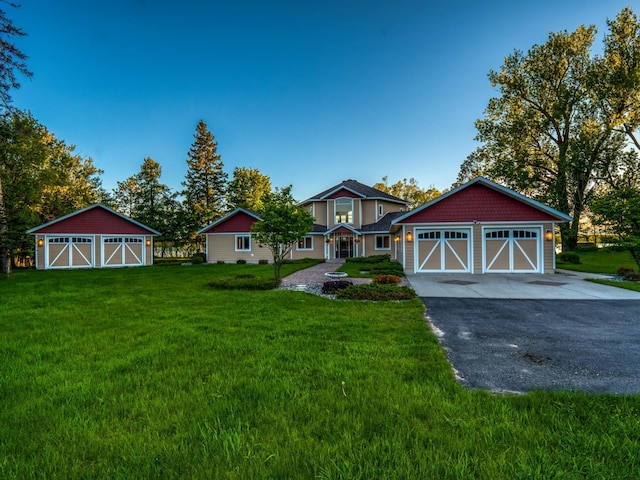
point(316, 275)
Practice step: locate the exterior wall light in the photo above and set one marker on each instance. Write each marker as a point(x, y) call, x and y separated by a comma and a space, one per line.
point(396, 239)
point(548, 235)
point(40, 242)
point(148, 243)
point(409, 237)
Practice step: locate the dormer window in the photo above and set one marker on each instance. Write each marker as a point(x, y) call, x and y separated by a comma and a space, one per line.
point(344, 210)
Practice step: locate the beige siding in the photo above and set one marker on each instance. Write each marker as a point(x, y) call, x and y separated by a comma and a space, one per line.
point(320, 212)
point(148, 251)
point(409, 251)
point(97, 242)
point(40, 252)
point(221, 247)
point(548, 250)
point(477, 249)
point(316, 252)
point(369, 212)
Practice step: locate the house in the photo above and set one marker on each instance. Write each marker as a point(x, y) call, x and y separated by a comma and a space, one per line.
point(480, 227)
point(93, 237)
point(351, 220)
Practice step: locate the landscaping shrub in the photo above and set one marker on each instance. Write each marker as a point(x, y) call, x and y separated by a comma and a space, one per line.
point(332, 287)
point(370, 259)
point(386, 279)
point(241, 262)
point(624, 271)
point(569, 257)
point(197, 260)
point(376, 292)
point(167, 261)
point(243, 282)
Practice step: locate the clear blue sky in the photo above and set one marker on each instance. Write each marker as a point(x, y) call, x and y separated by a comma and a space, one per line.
point(308, 92)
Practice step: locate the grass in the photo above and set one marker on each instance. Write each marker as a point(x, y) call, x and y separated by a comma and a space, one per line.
point(601, 261)
point(151, 373)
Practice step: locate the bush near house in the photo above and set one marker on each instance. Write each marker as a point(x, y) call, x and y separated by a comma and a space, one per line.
point(243, 282)
point(376, 292)
point(366, 267)
point(386, 279)
point(332, 287)
point(569, 257)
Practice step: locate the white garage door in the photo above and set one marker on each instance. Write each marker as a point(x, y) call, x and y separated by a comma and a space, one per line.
point(512, 250)
point(69, 252)
point(443, 250)
point(122, 251)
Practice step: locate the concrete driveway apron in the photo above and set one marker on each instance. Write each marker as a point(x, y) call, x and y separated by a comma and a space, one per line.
point(517, 333)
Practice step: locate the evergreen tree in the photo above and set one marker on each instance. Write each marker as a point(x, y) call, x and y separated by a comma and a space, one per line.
point(205, 181)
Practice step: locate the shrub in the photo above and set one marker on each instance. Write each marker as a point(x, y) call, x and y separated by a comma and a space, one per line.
point(166, 261)
point(569, 257)
point(197, 260)
point(243, 282)
point(370, 259)
point(241, 262)
point(263, 261)
point(332, 287)
point(386, 279)
point(624, 271)
point(376, 292)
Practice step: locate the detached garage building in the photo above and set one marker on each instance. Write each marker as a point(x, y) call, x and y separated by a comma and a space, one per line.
point(93, 237)
point(480, 227)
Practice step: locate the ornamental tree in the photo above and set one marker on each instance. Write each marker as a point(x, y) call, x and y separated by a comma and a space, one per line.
point(282, 223)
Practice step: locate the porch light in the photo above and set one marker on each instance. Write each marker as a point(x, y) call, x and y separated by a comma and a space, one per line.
point(396, 239)
point(148, 243)
point(409, 237)
point(357, 240)
point(548, 235)
point(40, 242)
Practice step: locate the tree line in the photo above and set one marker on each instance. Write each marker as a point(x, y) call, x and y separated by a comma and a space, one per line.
point(564, 128)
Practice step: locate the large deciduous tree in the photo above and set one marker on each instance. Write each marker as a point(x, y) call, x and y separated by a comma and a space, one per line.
point(42, 179)
point(545, 135)
point(246, 188)
point(205, 181)
point(408, 190)
point(282, 223)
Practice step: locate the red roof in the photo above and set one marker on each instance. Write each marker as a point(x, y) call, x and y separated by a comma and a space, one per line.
point(94, 220)
point(238, 222)
point(342, 193)
point(479, 203)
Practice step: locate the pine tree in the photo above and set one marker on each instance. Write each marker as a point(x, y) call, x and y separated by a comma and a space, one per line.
point(205, 181)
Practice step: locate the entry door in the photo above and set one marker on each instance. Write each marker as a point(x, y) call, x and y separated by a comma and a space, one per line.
point(344, 247)
point(510, 250)
point(443, 250)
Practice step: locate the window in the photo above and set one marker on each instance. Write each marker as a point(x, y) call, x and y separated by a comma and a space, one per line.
point(433, 235)
point(305, 243)
point(497, 234)
point(243, 243)
point(344, 210)
point(525, 234)
point(59, 240)
point(383, 242)
point(380, 210)
point(455, 234)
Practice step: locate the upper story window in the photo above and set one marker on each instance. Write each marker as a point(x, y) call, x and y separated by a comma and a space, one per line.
point(243, 243)
point(344, 210)
point(380, 210)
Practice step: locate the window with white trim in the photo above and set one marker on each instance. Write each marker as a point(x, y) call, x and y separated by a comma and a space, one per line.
point(243, 243)
point(383, 242)
point(380, 210)
point(305, 243)
point(344, 210)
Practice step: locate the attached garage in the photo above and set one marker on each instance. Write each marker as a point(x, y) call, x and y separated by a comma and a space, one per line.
point(93, 237)
point(480, 227)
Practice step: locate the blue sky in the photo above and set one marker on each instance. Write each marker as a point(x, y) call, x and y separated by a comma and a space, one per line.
point(308, 92)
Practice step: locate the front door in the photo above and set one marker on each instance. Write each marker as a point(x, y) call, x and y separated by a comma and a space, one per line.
point(344, 247)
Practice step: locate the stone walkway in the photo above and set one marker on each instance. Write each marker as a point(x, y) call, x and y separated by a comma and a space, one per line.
point(316, 275)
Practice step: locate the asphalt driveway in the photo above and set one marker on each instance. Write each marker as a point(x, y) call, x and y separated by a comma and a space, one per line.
point(519, 345)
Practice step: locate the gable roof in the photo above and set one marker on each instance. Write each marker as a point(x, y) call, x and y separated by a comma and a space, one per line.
point(353, 188)
point(481, 200)
point(240, 225)
point(94, 219)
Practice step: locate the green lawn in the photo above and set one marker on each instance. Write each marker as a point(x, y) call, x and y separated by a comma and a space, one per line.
point(150, 373)
point(601, 261)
